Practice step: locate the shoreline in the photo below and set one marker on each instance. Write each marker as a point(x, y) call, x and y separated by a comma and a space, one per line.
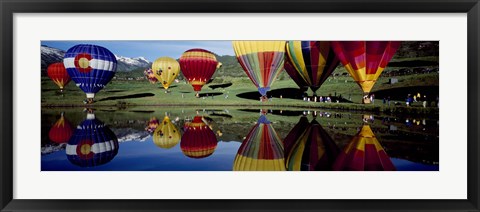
point(331, 106)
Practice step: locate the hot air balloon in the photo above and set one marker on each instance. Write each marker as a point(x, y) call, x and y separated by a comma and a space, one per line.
point(262, 61)
point(198, 66)
point(308, 147)
point(313, 61)
point(262, 149)
point(364, 153)
point(167, 135)
point(292, 72)
point(152, 124)
point(198, 140)
point(91, 67)
point(61, 131)
point(58, 74)
point(92, 143)
point(365, 60)
point(165, 69)
point(148, 73)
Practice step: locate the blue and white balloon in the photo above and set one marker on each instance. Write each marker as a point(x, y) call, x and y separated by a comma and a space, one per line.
point(91, 67)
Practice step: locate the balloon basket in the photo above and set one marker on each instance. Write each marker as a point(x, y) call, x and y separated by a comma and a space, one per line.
point(88, 101)
point(366, 99)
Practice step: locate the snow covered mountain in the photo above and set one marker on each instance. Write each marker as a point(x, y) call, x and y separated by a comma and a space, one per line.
point(130, 64)
point(50, 55)
point(124, 64)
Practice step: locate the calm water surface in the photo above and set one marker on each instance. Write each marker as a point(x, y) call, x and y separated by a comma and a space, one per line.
point(196, 139)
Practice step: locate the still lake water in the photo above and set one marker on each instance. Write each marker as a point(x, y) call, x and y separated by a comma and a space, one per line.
point(197, 139)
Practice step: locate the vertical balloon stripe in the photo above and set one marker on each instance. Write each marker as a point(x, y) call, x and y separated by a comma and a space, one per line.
point(306, 58)
point(290, 69)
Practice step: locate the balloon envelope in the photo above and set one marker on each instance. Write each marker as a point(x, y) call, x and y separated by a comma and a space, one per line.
point(262, 149)
point(262, 61)
point(148, 73)
point(198, 66)
point(292, 72)
point(363, 153)
point(58, 74)
point(165, 69)
point(198, 140)
point(152, 124)
point(91, 67)
point(166, 135)
point(308, 147)
point(92, 144)
point(61, 131)
point(365, 60)
point(313, 61)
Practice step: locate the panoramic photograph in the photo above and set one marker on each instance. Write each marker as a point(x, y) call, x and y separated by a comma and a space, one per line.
point(241, 105)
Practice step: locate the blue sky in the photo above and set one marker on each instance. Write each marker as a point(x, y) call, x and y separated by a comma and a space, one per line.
point(150, 49)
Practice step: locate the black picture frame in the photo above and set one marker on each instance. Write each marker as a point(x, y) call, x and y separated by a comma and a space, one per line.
point(10, 7)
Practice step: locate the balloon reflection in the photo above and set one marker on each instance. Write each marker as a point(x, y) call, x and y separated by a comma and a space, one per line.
point(262, 149)
point(166, 134)
point(92, 143)
point(364, 153)
point(198, 140)
point(61, 131)
point(308, 147)
point(152, 124)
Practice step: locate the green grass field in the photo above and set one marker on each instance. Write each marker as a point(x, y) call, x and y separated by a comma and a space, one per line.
point(141, 93)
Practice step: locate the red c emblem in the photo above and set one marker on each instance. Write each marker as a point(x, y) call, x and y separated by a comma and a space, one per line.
point(82, 62)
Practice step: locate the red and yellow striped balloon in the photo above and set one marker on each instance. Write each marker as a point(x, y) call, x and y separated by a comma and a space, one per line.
point(198, 66)
point(198, 140)
point(58, 74)
point(365, 60)
point(364, 153)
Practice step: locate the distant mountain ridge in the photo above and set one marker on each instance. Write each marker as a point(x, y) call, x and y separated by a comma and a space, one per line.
point(51, 55)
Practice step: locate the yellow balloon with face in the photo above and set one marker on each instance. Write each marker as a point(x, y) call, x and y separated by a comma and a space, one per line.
point(165, 69)
point(166, 135)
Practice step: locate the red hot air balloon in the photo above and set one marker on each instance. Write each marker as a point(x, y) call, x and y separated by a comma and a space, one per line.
point(61, 131)
point(198, 140)
point(58, 74)
point(198, 66)
point(365, 60)
point(364, 153)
